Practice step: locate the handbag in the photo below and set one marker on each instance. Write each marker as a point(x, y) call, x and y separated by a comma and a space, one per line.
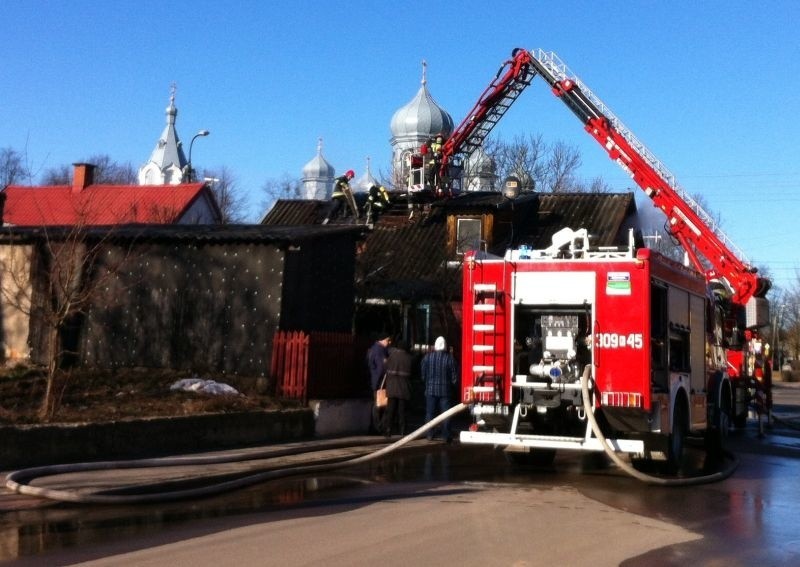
point(381, 399)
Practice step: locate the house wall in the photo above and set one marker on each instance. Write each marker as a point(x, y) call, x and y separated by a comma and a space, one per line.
point(202, 307)
point(320, 288)
point(16, 293)
point(200, 212)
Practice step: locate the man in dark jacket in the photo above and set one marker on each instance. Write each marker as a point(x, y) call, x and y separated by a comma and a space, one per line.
point(398, 387)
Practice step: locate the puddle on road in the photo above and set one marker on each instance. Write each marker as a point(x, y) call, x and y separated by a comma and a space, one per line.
point(28, 533)
point(31, 532)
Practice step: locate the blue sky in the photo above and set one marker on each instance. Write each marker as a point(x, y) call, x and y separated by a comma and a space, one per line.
point(710, 87)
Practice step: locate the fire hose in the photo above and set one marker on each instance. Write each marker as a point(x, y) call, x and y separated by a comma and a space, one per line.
point(18, 481)
point(630, 469)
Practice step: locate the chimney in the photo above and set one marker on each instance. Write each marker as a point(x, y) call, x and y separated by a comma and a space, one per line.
point(82, 177)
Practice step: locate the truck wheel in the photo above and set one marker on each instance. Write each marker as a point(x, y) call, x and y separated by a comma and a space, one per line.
point(677, 438)
point(717, 433)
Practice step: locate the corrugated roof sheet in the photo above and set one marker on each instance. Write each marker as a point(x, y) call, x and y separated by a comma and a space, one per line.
point(98, 204)
point(405, 258)
point(605, 215)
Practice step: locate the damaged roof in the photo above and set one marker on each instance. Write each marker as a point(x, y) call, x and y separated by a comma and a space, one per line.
point(405, 257)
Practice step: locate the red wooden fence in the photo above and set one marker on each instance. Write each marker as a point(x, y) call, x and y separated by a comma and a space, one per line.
point(319, 365)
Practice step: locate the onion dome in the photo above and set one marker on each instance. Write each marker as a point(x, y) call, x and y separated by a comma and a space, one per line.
point(318, 167)
point(421, 117)
point(318, 176)
point(366, 181)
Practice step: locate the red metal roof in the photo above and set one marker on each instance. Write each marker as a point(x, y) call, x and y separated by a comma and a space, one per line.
point(98, 204)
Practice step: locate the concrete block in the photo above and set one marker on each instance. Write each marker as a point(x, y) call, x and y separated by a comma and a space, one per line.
point(341, 417)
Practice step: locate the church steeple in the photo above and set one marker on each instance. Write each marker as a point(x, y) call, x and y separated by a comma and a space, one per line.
point(318, 176)
point(414, 123)
point(167, 161)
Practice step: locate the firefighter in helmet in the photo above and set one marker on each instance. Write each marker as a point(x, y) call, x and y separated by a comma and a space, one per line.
point(435, 156)
point(377, 202)
point(342, 198)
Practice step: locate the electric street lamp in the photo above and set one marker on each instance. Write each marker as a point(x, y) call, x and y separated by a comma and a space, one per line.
point(189, 170)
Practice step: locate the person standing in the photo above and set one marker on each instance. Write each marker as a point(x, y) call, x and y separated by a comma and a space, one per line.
point(398, 387)
point(376, 360)
point(341, 198)
point(439, 375)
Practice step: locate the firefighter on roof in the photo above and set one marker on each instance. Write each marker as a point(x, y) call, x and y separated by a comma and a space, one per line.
point(377, 202)
point(341, 198)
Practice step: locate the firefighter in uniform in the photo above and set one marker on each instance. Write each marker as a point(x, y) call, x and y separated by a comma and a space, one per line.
point(377, 202)
point(342, 197)
point(435, 156)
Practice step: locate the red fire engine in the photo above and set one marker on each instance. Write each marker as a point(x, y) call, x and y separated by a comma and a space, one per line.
point(668, 350)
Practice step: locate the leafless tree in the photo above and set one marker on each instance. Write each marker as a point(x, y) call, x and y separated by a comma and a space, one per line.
point(595, 185)
point(13, 168)
point(787, 313)
point(230, 199)
point(51, 276)
point(539, 166)
point(563, 160)
point(106, 171)
point(285, 187)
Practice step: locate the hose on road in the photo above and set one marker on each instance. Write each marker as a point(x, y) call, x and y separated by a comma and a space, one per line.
point(18, 481)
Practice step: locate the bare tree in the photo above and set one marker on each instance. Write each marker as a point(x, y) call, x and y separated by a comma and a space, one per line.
point(523, 157)
point(788, 322)
point(563, 161)
point(595, 185)
point(13, 168)
point(539, 166)
point(51, 277)
point(285, 187)
point(106, 171)
point(230, 199)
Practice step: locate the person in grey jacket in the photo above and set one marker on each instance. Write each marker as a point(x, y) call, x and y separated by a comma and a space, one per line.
point(398, 387)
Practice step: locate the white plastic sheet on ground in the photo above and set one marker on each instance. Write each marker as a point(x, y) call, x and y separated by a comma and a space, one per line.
point(201, 386)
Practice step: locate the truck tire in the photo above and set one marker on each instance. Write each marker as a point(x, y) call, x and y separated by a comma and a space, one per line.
point(717, 432)
point(677, 438)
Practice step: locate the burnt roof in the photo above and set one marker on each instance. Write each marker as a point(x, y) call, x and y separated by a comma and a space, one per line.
point(606, 216)
point(405, 258)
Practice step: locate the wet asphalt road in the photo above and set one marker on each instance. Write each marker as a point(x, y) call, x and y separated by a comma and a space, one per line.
point(747, 519)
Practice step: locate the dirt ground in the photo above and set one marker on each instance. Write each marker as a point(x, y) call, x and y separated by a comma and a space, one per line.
point(84, 396)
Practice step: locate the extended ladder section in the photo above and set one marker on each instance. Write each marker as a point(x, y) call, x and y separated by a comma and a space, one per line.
point(508, 84)
point(550, 64)
point(701, 237)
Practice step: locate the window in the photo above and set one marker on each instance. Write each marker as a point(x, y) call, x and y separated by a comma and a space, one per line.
point(468, 235)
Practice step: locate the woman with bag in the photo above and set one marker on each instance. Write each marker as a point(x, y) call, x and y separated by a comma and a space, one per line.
point(398, 387)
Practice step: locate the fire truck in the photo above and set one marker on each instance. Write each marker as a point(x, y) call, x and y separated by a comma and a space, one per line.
point(654, 349)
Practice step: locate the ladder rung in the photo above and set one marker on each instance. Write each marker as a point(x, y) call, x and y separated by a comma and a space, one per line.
point(484, 307)
point(482, 348)
point(481, 368)
point(485, 287)
point(483, 328)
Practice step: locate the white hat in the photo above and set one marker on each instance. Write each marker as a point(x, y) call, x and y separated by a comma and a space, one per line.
point(440, 344)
